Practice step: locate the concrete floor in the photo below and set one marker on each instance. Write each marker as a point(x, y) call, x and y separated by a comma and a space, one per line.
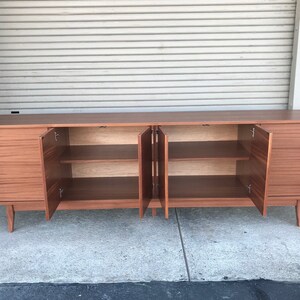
point(211, 244)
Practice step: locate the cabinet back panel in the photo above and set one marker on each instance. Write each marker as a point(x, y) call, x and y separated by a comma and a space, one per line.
point(129, 135)
point(205, 167)
point(201, 133)
point(105, 169)
point(105, 135)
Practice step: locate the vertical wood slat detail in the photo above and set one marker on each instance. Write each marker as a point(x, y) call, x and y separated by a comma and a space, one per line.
point(56, 176)
point(145, 170)
point(163, 182)
point(261, 146)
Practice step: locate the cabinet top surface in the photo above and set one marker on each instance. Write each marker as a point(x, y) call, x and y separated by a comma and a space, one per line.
point(150, 118)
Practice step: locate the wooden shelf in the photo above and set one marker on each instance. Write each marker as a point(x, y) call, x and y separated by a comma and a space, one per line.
point(106, 188)
point(206, 187)
point(207, 150)
point(99, 153)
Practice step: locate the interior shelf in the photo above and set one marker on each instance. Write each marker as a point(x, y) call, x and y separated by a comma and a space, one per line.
point(106, 188)
point(100, 153)
point(196, 187)
point(207, 150)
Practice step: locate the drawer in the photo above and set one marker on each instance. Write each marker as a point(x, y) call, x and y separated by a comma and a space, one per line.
point(284, 154)
point(14, 170)
point(18, 134)
point(284, 135)
point(21, 177)
point(285, 167)
point(283, 190)
point(21, 189)
point(20, 151)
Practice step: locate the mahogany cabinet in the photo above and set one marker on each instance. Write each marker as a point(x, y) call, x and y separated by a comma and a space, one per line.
point(149, 160)
point(250, 153)
point(61, 187)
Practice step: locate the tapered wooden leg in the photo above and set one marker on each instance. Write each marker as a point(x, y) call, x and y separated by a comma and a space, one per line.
point(298, 213)
point(153, 212)
point(10, 213)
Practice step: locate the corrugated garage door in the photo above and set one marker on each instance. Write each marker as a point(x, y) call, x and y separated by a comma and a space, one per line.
point(145, 55)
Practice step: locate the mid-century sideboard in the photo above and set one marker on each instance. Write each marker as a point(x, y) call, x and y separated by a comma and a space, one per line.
point(162, 160)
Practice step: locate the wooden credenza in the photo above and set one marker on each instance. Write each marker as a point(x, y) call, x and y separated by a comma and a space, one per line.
point(149, 160)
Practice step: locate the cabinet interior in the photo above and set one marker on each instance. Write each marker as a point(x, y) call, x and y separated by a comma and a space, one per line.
point(180, 166)
point(206, 161)
point(103, 162)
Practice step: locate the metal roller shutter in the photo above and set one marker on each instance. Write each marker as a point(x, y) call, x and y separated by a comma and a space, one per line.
point(145, 55)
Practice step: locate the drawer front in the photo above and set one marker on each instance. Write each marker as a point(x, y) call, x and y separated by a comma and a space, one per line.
point(285, 136)
point(21, 189)
point(20, 151)
point(284, 173)
point(283, 190)
point(16, 170)
point(285, 167)
point(20, 165)
point(21, 134)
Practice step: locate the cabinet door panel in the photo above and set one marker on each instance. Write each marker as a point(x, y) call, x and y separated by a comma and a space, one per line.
point(163, 183)
point(145, 170)
point(259, 167)
point(284, 177)
point(53, 144)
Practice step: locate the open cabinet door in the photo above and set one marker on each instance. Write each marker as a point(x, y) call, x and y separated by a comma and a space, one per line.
point(163, 183)
point(52, 144)
point(261, 146)
point(145, 170)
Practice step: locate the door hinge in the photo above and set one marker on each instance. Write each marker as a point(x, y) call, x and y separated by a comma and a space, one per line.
point(249, 186)
point(61, 191)
point(253, 132)
point(56, 136)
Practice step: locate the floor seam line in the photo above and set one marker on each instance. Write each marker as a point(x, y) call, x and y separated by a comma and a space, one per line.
point(183, 248)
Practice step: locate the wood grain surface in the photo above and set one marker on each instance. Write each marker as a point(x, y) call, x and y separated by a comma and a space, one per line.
point(207, 150)
point(151, 118)
point(100, 153)
point(145, 170)
point(285, 160)
point(163, 182)
point(261, 147)
point(10, 214)
point(108, 188)
point(101, 161)
point(20, 165)
point(56, 176)
point(206, 187)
